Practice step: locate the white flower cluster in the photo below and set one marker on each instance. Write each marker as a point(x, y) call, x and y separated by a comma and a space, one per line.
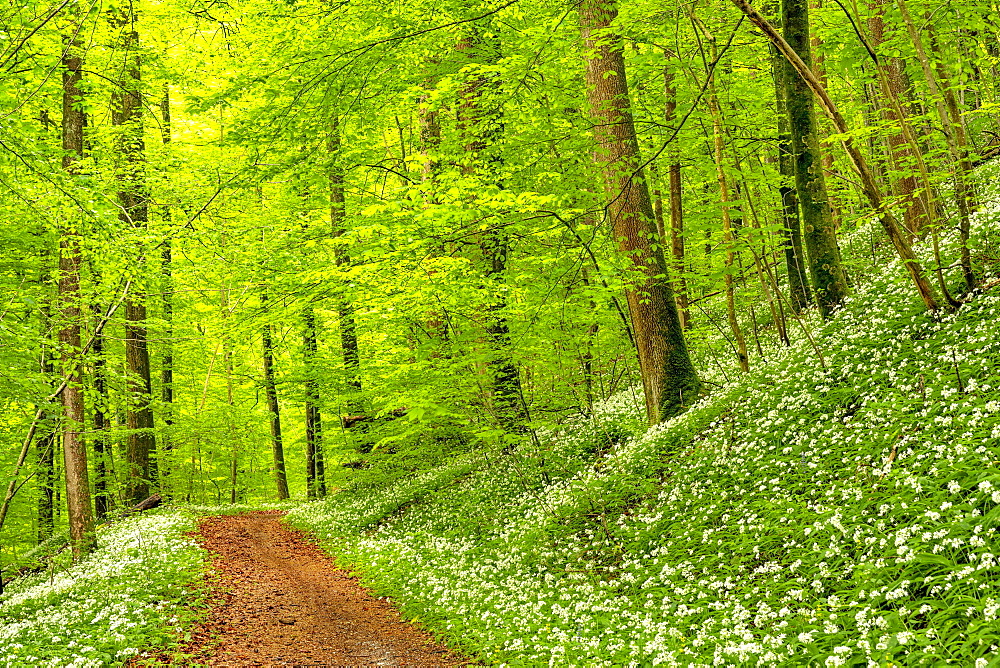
point(103, 609)
point(842, 513)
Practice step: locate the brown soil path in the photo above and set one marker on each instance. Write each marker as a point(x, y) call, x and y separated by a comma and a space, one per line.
point(282, 602)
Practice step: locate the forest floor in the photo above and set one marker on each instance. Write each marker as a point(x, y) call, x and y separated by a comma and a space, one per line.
point(278, 600)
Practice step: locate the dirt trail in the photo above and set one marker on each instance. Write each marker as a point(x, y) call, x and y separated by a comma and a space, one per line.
point(282, 602)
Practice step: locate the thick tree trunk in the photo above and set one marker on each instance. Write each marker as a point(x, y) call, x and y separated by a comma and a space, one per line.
point(828, 278)
point(126, 114)
point(668, 377)
point(271, 390)
point(81, 519)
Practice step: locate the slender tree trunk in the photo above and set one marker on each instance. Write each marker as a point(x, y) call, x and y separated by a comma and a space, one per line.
point(820, 235)
point(45, 447)
point(270, 389)
point(916, 207)
point(315, 478)
point(167, 287)
point(348, 326)
point(102, 500)
point(45, 417)
point(727, 224)
point(965, 195)
point(669, 379)
point(81, 519)
point(676, 206)
point(479, 121)
point(126, 114)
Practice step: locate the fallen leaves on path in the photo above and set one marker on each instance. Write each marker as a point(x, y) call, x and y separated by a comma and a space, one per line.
point(281, 602)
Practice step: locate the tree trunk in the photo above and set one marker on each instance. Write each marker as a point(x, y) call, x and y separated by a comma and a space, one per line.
point(479, 122)
point(964, 190)
point(348, 326)
point(676, 206)
point(270, 389)
point(102, 500)
point(828, 278)
point(167, 287)
point(126, 114)
point(668, 377)
point(727, 224)
point(916, 207)
point(315, 478)
point(826, 151)
point(868, 183)
point(45, 416)
point(81, 519)
point(799, 294)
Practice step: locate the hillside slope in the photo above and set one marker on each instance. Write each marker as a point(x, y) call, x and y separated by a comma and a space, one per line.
point(834, 512)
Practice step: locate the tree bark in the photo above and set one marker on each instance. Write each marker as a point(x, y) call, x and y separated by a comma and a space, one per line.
point(270, 389)
point(81, 519)
point(668, 376)
point(126, 115)
point(820, 235)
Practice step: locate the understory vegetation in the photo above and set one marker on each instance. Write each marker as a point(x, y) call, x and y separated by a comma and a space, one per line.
point(837, 507)
point(841, 512)
point(138, 589)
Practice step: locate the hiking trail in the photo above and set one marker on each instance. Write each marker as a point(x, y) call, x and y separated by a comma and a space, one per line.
point(280, 601)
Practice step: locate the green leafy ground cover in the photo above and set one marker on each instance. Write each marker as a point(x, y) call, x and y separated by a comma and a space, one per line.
point(841, 513)
point(134, 592)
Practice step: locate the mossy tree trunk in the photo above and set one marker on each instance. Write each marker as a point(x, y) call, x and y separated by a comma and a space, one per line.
point(826, 271)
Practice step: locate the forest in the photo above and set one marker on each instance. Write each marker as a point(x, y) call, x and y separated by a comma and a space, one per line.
point(590, 332)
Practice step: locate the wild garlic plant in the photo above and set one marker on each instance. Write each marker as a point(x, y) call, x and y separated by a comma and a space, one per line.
point(131, 593)
point(834, 513)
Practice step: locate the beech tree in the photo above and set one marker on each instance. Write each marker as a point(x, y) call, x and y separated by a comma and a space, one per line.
point(668, 377)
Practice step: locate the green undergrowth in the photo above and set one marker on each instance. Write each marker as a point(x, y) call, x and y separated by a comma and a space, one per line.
point(831, 508)
point(138, 590)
